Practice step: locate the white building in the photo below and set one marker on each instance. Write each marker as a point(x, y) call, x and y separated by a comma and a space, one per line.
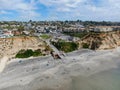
point(40, 29)
point(103, 29)
point(5, 34)
point(8, 33)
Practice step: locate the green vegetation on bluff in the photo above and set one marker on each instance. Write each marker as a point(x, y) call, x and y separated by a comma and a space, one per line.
point(28, 53)
point(77, 34)
point(65, 46)
point(85, 45)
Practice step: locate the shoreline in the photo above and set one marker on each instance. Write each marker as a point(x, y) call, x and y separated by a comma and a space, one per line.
point(39, 72)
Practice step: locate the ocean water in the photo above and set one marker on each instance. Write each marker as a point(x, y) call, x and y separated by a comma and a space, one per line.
point(107, 80)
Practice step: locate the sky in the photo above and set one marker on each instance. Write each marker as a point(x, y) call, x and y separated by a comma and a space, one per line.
point(40, 10)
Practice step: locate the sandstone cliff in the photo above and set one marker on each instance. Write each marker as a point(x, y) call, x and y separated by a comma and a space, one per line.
point(10, 46)
point(101, 41)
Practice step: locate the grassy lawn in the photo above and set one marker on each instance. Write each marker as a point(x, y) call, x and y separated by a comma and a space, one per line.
point(45, 36)
point(80, 34)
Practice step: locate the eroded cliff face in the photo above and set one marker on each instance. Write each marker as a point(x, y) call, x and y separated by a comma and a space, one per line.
point(10, 46)
point(101, 41)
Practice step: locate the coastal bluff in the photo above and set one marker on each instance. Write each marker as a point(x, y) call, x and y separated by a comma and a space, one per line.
point(10, 46)
point(101, 41)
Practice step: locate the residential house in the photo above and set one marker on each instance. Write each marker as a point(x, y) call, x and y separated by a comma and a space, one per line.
point(40, 29)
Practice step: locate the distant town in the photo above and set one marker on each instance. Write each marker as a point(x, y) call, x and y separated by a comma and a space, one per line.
point(14, 28)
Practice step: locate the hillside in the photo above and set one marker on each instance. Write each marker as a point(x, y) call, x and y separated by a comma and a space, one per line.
point(10, 46)
point(101, 41)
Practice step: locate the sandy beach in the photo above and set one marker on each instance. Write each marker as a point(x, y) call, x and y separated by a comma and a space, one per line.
point(46, 73)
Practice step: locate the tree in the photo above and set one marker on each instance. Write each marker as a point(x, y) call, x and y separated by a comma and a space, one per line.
point(21, 28)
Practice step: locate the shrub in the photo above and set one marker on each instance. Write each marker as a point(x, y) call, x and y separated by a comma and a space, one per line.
point(28, 53)
point(24, 54)
point(37, 53)
point(65, 46)
point(85, 45)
